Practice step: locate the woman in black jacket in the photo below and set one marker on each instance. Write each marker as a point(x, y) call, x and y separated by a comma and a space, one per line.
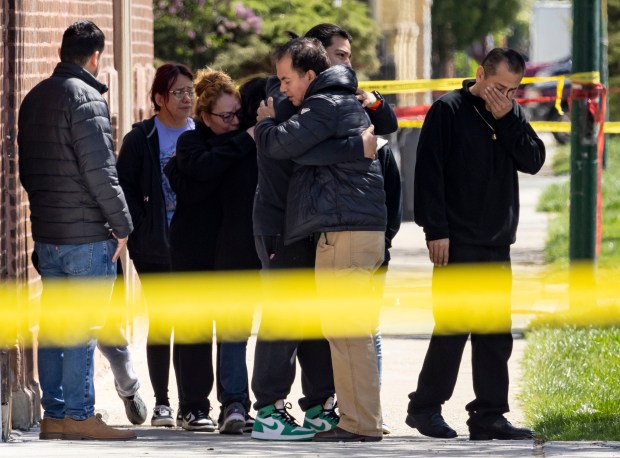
point(145, 151)
point(214, 174)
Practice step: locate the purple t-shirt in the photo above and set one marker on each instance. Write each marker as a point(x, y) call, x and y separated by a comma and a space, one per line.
point(167, 147)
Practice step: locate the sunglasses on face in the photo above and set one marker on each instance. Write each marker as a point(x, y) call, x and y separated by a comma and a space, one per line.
point(179, 93)
point(228, 116)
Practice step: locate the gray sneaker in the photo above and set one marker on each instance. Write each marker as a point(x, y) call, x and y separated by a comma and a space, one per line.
point(233, 420)
point(135, 408)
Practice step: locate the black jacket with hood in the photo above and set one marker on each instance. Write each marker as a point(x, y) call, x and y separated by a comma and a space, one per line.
point(275, 174)
point(139, 173)
point(326, 198)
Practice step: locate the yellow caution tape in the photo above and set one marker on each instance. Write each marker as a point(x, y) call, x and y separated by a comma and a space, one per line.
point(538, 126)
point(440, 84)
point(294, 305)
point(586, 78)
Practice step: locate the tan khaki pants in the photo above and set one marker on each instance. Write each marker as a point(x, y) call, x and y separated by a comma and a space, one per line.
point(354, 255)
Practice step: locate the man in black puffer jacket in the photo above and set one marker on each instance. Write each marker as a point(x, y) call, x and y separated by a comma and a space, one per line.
point(80, 221)
point(344, 202)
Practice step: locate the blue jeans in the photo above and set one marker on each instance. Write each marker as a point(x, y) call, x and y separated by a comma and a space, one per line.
point(125, 379)
point(232, 383)
point(66, 373)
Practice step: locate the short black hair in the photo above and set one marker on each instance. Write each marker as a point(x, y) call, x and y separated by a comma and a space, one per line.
point(80, 41)
point(306, 54)
point(325, 32)
point(514, 60)
point(253, 91)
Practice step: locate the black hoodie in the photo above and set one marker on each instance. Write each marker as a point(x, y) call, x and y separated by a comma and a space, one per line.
point(466, 186)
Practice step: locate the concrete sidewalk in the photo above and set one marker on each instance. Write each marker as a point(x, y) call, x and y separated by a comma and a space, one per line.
point(402, 361)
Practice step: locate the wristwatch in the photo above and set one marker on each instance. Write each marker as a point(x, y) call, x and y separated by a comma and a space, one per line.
point(378, 103)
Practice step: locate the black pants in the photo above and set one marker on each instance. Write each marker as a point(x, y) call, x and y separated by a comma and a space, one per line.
point(196, 375)
point(158, 345)
point(275, 360)
point(490, 352)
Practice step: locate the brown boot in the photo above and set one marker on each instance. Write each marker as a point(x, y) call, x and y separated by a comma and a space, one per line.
point(51, 428)
point(93, 428)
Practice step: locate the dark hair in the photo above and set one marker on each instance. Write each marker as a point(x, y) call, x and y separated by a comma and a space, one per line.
point(165, 77)
point(325, 32)
point(80, 41)
point(306, 54)
point(514, 60)
point(252, 92)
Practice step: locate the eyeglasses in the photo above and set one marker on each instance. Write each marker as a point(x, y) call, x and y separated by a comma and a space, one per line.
point(179, 93)
point(228, 116)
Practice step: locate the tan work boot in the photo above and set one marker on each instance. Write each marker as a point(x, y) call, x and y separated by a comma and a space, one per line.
point(51, 428)
point(93, 428)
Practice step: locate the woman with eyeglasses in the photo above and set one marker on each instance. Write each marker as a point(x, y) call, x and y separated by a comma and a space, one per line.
point(214, 174)
point(146, 149)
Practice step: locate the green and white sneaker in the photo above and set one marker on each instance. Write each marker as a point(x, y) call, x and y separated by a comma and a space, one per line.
point(322, 417)
point(274, 423)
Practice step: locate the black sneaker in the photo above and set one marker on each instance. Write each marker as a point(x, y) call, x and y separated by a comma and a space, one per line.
point(249, 423)
point(233, 419)
point(162, 416)
point(198, 420)
point(179, 418)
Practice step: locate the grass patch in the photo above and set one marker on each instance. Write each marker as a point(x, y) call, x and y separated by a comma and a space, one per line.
point(561, 160)
point(556, 199)
point(571, 383)
point(571, 375)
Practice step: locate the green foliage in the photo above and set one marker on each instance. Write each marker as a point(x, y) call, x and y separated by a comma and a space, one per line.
point(557, 199)
point(239, 37)
point(456, 24)
point(464, 66)
point(571, 383)
point(613, 30)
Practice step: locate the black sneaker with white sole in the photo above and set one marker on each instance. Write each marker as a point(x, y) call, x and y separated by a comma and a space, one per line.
point(198, 420)
point(249, 423)
point(162, 416)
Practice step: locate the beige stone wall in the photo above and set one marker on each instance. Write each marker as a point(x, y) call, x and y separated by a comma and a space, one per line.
point(405, 25)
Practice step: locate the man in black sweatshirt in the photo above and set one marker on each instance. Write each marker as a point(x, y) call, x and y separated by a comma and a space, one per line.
point(466, 197)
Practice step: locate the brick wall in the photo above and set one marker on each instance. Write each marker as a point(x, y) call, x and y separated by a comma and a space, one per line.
point(37, 26)
point(3, 240)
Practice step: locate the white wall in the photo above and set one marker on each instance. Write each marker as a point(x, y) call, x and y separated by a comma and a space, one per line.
point(551, 31)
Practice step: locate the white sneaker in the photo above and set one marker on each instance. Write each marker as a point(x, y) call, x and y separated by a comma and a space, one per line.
point(162, 416)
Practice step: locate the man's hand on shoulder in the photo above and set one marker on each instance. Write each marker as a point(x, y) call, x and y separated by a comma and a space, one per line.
point(265, 110)
point(119, 247)
point(438, 251)
point(369, 139)
point(366, 98)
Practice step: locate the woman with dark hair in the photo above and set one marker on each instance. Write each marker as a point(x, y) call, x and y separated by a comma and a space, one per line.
point(146, 149)
point(214, 174)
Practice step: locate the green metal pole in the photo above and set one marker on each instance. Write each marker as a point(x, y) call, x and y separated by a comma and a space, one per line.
point(605, 69)
point(584, 156)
